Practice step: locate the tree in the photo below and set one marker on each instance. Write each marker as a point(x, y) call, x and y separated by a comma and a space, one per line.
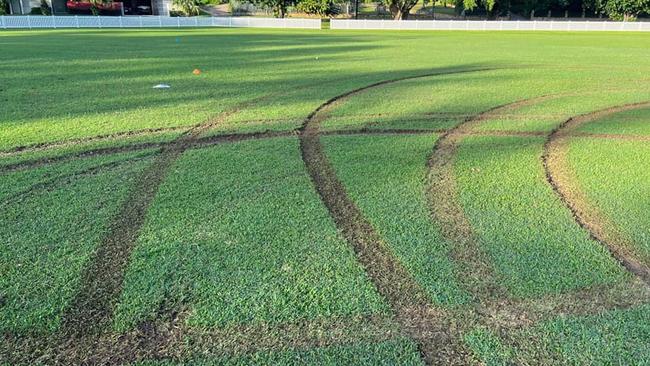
point(279, 7)
point(319, 7)
point(626, 10)
point(400, 8)
point(469, 5)
point(188, 7)
point(4, 7)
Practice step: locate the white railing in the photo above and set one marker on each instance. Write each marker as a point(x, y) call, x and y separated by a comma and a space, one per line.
point(482, 25)
point(40, 21)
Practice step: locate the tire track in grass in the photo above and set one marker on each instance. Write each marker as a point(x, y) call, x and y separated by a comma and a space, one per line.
point(91, 310)
point(566, 185)
point(59, 181)
point(174, 340)
point(233, 137)
point(436, 336)
point(475, 270)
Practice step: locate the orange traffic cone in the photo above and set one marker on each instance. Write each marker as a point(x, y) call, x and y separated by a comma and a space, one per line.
point(196, 72)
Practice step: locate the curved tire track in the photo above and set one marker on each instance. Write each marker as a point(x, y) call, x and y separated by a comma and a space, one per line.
point(476, 273)
point(563, 181)
point(431, 328)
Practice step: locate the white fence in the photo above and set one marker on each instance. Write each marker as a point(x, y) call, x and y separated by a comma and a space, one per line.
point(478, 25)
point(39, 21)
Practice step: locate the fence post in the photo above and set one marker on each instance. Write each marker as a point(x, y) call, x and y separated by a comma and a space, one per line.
point(484, 24)
point(99, 21)
point(121, 25)
point(159, 21)
point(140, 18)
point(29, 22)
point(53, 21)
point(552, 25)
point(2, 21)
point(518, 25)
point(229, 22)
point(196, 21)
point(534, 25)
point(178, 22)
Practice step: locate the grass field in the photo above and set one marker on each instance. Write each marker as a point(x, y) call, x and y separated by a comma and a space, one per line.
point(324, 197)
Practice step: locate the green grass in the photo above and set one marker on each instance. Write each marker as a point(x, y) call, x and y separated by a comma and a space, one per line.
point(18, 182)
point(545, 115)
point(393, 352)
point(614, 176)
point(618, 337)
point(238, 235)
point(385, 176)
point(48, 237)
point(83, 83)
point(633, 122)
point(531, 237)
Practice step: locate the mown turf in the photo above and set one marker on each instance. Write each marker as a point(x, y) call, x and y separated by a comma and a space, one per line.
point(393, 352)
point(89, 82)
point(614, 175)
point(48, 237)
point(385, 176)
point(18, 183)
point(633, 122)
point(238, 235)
point(617, 337)
point(532, 239)
point(545, 115)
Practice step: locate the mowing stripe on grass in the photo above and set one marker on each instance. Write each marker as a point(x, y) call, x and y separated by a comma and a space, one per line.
point(564, 183)
point(476, 272)
point(437, 339)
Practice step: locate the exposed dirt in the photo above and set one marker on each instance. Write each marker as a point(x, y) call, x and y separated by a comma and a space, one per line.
point(564, 182)
point(174, 340)
point(431, 328)
point(474, 268)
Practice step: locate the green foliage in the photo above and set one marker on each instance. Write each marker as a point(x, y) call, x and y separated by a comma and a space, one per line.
point(4, 7)
point(319, 7)
point(400, 8)
point(626, 10)
point(188, 7)
point(279, 7)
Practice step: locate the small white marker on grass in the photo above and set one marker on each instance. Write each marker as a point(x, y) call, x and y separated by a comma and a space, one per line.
point(161, 86)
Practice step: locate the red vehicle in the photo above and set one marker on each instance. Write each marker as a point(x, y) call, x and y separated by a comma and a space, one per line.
point(86, 6)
